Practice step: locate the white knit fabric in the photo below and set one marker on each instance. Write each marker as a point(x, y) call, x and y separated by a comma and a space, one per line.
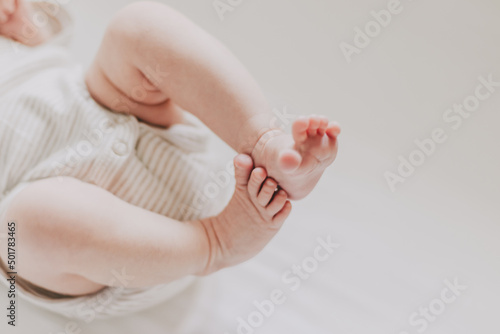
point(50, 127)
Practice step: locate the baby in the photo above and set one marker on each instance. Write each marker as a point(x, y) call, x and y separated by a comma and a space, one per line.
point(154, 70)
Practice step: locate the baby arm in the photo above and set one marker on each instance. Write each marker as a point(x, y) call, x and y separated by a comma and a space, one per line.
point(73, 235)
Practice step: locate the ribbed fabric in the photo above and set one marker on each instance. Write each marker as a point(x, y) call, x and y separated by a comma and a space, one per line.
point(51, 127)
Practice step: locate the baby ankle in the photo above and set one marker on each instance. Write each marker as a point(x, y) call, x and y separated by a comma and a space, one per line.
point(259, 148)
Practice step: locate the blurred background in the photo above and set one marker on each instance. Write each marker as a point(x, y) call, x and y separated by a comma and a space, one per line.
point(400, 247)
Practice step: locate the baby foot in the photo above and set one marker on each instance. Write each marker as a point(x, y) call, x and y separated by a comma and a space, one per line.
point(254, 215)
point(298, 161)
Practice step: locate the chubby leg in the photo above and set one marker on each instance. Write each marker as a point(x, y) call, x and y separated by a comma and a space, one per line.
point(153, 62)
point(153, 58)
point(67, 248)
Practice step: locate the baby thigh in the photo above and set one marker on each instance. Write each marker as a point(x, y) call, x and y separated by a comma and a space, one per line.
point(114, 80)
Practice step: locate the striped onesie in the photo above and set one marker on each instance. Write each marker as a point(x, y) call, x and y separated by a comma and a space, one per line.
point(50, 127)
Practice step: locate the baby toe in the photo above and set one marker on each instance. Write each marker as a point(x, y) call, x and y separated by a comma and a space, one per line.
point(323, 124)
point(254, 184)
point(242, 168)
point(282, 215)
point(267, 192)
point(277, 203)
point(333, 130)
point(299, 129)
point(314, 122)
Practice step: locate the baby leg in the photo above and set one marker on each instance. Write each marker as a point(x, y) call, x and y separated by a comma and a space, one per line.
point(76, 236)
point(153, 62)
point(153, 58)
